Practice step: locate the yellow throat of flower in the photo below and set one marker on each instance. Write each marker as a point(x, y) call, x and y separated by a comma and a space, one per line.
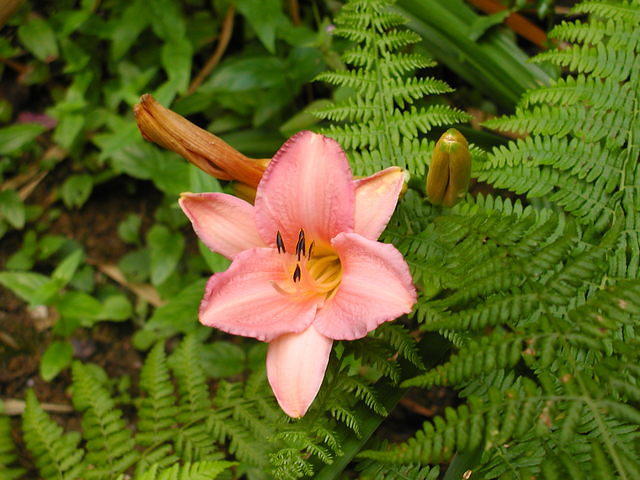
point(312, 270)
point(326, 273)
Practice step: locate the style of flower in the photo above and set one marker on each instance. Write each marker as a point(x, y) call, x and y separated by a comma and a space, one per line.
point(307, 268)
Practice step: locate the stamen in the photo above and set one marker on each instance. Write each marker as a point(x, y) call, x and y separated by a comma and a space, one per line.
point(280, 243)
point(300, 247)
point(297, 274)
point(313, 242)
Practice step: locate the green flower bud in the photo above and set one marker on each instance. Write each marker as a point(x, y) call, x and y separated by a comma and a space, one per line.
point(450, 169)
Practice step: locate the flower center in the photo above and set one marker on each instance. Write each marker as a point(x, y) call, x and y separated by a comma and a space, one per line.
point(312, 269)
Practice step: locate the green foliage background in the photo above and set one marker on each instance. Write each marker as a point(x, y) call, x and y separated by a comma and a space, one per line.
point(529, 295)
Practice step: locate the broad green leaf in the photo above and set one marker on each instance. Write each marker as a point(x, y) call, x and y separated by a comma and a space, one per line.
point(76, 190)
point(180, 314)
point(79, 305)
point(75, 56)
point(47, 292)
point(215, 261)
point(171, 174)
point(116, 308)
point(167, 19)
point(483, 23)
point(12, 209)
point(38, 37)
point(264, 16)
point(128, 27)
point(24, 258)
point(6, 110)
point(176, 60)
point(136, 160)
point(24, 284)
point(69, 127)
point(67, 268)
point(166, 249)
point(14, 137)
point(56, 358)
point(136, 265)
point(247, 74)
point(50, 244)
point(202, 182)
point(129, 228)
point(223, 359)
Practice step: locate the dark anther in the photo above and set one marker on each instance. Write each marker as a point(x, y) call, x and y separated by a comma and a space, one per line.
point(296, 274)
point(313, 242)
point(280, 243)
point(300, 246)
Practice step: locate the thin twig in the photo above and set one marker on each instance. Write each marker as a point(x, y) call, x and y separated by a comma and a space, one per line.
point(144, 291)
point(18, 67)
point(415, 407)
point(13, 406)
point(515, 21)
point(8, 340)
point(294, 10)
point(27, 189)
point(223, 42)
point(16, 182)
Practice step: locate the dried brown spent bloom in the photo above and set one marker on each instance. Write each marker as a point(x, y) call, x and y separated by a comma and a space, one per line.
point(203, 149)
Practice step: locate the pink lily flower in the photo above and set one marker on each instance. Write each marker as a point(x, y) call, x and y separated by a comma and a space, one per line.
point(306, 265)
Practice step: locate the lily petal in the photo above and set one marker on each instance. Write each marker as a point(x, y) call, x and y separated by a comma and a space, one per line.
point(244, 301)
point(376, 199)
point(296, 364)
point(308, 185)
point(376, 287)
point(223, 222)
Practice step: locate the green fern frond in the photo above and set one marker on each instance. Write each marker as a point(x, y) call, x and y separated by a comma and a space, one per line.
point(109, 443)
point(187, 471)
point(371, 470)
point(7, 451)
point(401, 340)
point(157, 411)
point(591, 92)
point(373, 123)
point(601, 60)
point(583, 151)
point(57, 455)
point(576, 120)
point(193, 440)
point(625, 10)
point(482, 357)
